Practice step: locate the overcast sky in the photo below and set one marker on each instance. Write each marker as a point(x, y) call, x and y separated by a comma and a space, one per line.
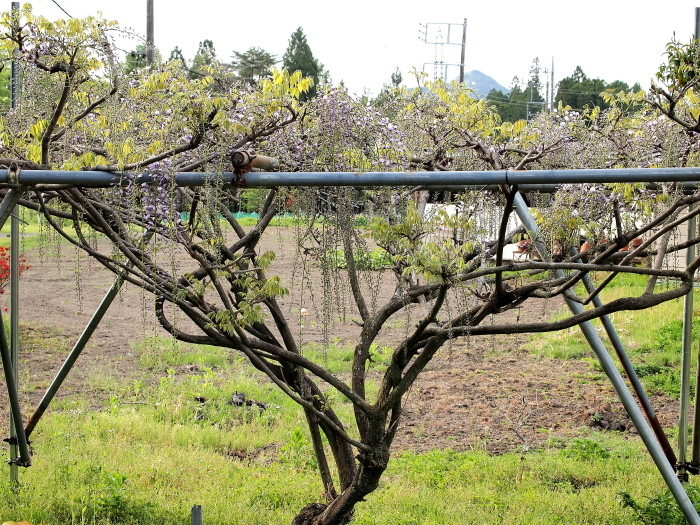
point(362, 42)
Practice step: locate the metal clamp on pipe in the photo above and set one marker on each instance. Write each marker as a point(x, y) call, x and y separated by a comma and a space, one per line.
point(19, 462)
point(243, 161)
point(13, 175)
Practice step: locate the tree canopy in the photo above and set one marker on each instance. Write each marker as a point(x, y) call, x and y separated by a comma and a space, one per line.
point(253, 64)
point(205, 58)
point(299, 57)
point(176, 54)
point(519, 103)
point(578, 91)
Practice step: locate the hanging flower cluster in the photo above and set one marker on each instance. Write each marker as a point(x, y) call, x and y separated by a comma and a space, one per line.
point(341, 133)
point(157, 195)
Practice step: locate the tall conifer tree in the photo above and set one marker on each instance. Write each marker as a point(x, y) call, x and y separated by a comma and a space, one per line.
point(299, 57)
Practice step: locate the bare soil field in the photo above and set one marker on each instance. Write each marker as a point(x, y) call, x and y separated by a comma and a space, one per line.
point(482, 392)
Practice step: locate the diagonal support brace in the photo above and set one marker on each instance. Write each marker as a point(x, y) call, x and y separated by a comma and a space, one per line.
point(77, 349)
point(8, 204)
point(24, 459)
point(591, 335)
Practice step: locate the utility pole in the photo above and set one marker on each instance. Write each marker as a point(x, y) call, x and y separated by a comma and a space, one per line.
point(464, 48)
point(149, 33)
point(532, 86)
point(551, 99)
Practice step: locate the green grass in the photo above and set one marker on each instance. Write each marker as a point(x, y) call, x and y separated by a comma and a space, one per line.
point(122, 466)
point(171, 440)
point(168, 441)
point(652, 338)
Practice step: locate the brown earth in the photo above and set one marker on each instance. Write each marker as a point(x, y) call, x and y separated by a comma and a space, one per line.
point(483, 392)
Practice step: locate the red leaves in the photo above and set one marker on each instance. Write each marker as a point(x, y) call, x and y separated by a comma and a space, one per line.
point(5, 267)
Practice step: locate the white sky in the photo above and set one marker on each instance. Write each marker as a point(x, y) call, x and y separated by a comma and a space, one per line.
point(362, 42)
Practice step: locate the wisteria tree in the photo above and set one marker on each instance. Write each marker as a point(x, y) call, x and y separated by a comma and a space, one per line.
point(79, 111)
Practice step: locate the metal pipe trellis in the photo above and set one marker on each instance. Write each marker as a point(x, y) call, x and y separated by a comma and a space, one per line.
point(104, 179)
point(537, 180)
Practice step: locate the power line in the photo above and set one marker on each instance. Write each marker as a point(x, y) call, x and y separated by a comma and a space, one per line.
point(61, 8)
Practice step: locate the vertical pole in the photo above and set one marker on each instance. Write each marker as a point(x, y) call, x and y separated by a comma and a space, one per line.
point(14, 265)
point(687, 340)
point(606, 362)
point(196, 515)
point(149, 33)
point(464, 49)
point(685, 356)
point(551, 108)
point(15, 411)
point(14, 329)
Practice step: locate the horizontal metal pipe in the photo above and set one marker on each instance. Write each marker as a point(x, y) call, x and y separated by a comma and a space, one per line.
point(103, 179)
point(470, 178)
point(688, 187)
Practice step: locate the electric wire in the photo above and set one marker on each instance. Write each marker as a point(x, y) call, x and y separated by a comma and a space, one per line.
point(61, 8)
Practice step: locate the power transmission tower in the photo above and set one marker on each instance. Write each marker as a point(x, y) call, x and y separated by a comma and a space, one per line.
point(533, 87)
point(441, 35)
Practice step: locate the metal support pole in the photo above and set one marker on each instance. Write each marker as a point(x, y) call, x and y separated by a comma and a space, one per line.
point(73, 355)
point(8, 204)
point(16, 418)
point(16, 425)
point(78, 347)
point(17, 434)
point(695, 444)
point(196, 515)
point(479, 179)
point(618, 383)
point(633, 379)
point(685, 362)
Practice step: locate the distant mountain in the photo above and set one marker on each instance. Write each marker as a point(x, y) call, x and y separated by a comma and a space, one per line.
point(482, 83)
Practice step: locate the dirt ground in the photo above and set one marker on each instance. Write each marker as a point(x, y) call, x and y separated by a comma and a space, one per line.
point(483, 392)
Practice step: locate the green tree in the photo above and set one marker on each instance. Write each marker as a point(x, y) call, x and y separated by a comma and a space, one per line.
point(386, 99)
point(578, 91)
point(253, 64)
point(298, 57)
point(509, 106)
point(176, 54)
point(205, 57)
point(135, 59)
point(519, 103)
point(396, 78)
